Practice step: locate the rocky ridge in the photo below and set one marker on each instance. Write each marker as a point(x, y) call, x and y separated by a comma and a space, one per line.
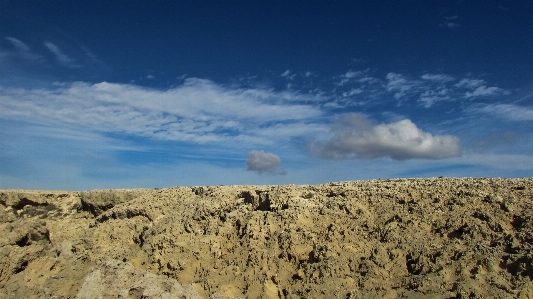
point(403, 238)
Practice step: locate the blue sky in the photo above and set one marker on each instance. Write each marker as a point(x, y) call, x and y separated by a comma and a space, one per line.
point(121, 94)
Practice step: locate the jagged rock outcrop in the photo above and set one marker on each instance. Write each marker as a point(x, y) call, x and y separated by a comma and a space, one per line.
point(430, 238)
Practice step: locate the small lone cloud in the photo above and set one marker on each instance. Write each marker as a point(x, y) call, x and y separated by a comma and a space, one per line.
point(449, 25)
point(356, 137)
point(264, 162)
point(451, 22)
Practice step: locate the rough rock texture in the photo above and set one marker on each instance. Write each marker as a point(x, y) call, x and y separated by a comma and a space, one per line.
point(420, 238)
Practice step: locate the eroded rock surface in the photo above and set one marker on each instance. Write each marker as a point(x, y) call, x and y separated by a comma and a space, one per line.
point(420, 238)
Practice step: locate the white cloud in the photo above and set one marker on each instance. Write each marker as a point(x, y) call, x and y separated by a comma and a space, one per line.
point(400, 85)
point(449, 25)
point(430, 96)
point(21, 52)
point(367, 79)
point(528, 96)
point(288, 74)
point(18, 44)
point(351, 76)
point(356, 137)
point(197, 111)
point(470, 83)
point(439, 78)
point(92, 56)
point(352, 92)
point(484, 91)
point(264, 162)
point(509, 111)
point(61, 57)
point(434, 88)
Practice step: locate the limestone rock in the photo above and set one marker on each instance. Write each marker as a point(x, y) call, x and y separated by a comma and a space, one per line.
point(404, 238)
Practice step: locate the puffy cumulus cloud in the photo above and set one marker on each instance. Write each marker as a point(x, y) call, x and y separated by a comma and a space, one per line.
point(356, 137)
point(264, 162)
point(197, 111)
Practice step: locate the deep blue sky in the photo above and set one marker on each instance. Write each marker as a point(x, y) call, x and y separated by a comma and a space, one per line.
point(99, 94)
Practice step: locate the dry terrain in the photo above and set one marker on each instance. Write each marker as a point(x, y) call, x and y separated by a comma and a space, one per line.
point(404, 238)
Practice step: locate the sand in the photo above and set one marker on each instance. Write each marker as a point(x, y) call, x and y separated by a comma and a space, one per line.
point(404, 238)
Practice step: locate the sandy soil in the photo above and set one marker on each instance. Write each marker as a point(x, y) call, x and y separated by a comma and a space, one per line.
point(419, 238)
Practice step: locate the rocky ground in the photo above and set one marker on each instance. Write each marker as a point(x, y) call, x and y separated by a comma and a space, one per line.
point(419, 238)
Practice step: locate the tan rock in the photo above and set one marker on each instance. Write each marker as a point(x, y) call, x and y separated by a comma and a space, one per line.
point(405, 238)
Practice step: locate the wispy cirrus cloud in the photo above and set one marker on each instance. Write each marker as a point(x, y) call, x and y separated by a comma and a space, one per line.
point(450, 22)
point(197, 111)
point(439, 78)
point(21, 51)
point(400, 85)
point(62, 58)
point(449, 25)
point(470, 83)
point(479, 88)
point(428, 89)
point(484, 91)
point(350, 76)
point(288, 74)
point(509, 111)
point(435, 95)
point(18, 44)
